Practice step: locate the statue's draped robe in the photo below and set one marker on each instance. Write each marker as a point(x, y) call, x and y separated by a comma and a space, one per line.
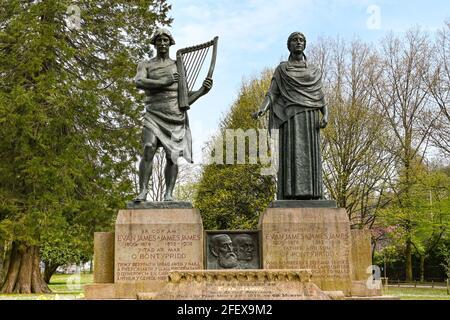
point(164, 118)
point(296, 99)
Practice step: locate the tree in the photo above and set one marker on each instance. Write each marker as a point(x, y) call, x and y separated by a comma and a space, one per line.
point(445, 253)
point(157, 183)
point(233, 195)
point(433, 194)
point(184, 186)
point(399, 89)
point(188, 179)
point(62, 247)
point(385, 256)
point(69, 119)
point(4, 257)
point(355, 160)
point(425, 222)
point(438, 84)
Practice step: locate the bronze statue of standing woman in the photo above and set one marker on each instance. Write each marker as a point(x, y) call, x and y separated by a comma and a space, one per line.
point(298, 110)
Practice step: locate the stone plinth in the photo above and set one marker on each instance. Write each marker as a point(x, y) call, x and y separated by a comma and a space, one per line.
point(318, 239)
point(362, 286)
point(159, 205)
point(361, 254)
point(238, 285)
point(104, 257)
point(303, 204)
point(151, 242)
point(113, 291)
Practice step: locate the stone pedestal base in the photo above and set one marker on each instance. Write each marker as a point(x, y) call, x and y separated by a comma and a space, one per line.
point(362, 289)
point(148, 244)
point(238, 285)
point(151, 242)
point(318, 239)
point(122, 290)
point(157, 251)
point(362, 286)
point(104, 257)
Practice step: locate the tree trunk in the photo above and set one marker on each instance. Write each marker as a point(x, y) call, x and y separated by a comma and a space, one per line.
point(5, 254)
point(422, 268)
point(2, 254)
point(24, 274)
point(37, 281)
point(49, 270)
point(408, 256)
point(4, 258)
point(448, 286)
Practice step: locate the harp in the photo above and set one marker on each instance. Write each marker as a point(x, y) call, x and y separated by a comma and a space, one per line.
point(189, 63)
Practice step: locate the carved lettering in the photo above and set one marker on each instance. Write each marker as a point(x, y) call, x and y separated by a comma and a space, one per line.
point(149, 253)
point(309, 248)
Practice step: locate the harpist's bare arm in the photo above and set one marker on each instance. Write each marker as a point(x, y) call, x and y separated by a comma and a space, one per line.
point(142, 82)
point(207, 85)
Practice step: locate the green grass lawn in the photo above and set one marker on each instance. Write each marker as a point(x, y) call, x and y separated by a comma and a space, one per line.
point(64, 287)
point(418, 293)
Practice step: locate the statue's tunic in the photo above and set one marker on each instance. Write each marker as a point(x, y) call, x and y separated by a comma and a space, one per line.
point(164, 118)
point(296, 99)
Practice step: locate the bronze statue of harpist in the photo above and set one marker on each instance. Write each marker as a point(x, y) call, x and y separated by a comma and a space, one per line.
point(296, 101)
point(166, 122)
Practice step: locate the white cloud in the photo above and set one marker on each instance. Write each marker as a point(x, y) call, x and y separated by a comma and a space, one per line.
point(250, 25)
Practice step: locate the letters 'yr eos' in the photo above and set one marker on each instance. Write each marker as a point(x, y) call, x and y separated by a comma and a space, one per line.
point(296, 100)
point(167, 84)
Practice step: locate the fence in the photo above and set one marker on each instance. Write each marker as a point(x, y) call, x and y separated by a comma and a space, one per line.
point(386, 283)
point(432, 274)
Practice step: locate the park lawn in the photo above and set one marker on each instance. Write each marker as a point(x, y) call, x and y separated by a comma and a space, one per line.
point(64, 287)
point(418, 293)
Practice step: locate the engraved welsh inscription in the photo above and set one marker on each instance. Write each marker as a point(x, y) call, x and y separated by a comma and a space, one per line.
point(149, 252)
point(309, 248)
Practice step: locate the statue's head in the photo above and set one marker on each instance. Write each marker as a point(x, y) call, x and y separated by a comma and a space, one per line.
point(222, 248)
point(162, 32)
point(294, 39)
point(245, 247)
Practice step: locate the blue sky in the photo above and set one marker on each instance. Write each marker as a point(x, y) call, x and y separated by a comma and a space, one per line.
point(252, 36)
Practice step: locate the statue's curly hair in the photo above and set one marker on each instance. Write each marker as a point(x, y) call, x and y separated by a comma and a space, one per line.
point(159, 32)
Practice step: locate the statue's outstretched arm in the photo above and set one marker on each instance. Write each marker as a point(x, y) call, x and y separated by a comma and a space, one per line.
point(271, 96)
point(265, 106)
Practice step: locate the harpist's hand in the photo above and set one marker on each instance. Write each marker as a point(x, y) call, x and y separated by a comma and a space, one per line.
point(169, 79)
point(175, 77)
point(207, 84)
